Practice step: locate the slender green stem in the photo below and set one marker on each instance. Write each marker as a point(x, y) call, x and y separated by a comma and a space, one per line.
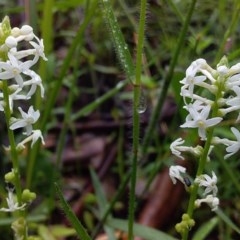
point(228, 33)
point(136, 117)
point(13, 151)
point(93, 105)
point(58, 83)
point(167, 80)
point(203, 158)
point(121, 47)
point(67, 119)
point(47, 35)
point(135, 147)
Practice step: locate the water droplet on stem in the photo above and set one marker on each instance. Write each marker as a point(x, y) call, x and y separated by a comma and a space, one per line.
point(142, 105)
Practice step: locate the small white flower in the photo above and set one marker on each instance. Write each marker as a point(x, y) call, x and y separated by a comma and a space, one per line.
point(36, 134)
point(208, 182)
point(186, 94)
point(39, 49)
point(211, 200)
point(233, 81)
point(13, 69)
point(174, 147)
point(233, 102)
point(200, 121)
point(34, 83)
point(12, 97)
point(26, 121)
point(177, 149)
point(224, 141)
point(12, 204)
point(235, 146)
point(175, 173)
point(191, 80)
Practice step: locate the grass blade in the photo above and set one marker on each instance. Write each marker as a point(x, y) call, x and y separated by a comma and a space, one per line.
point(81, 231)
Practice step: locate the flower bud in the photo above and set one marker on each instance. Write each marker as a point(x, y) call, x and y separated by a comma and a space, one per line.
point(26, 29)
point(19, 227)
point(15, 32)
point(5, 29)
point(11, 42)
point(28, 196)
point(10, 177)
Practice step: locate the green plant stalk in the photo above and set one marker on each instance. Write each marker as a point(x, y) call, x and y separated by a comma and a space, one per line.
point(93, 105)
point(167, 80)
point(203, 159)
point(120, 191)
point(135, 148)
point(201, 166)
point(228, 170)
point(14, 154)
point(67, 118)
point(47, 24)
point(31, 14)
point(82, 233)
point(228, 33)
point(121, 47)
point(47, 35)
point(136, 116)
point(120, 161)
point(13, 151)
point(58, 83)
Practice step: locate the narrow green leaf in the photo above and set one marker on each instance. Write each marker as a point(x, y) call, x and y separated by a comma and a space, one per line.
point(102, 201)
point(44, 233)
point(227, 220)
point(121, 47)
point(93, 105)
point(139, 230)
point(82, 233)
point(205, 229)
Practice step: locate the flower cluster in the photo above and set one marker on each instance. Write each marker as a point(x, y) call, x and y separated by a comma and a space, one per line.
point(209, 96)
point(210, 191)
point(16, 64)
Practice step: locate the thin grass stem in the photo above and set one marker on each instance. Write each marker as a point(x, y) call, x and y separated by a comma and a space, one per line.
point(166, 83)
point(136, 116)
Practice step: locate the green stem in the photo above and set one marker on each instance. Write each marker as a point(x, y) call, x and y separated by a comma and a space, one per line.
point(136, 117)
point(67, 116)
point(58, 83)
point(203, 158)
point(228, 33)
point(167, 81)
point(13, 151)
point(201, 166)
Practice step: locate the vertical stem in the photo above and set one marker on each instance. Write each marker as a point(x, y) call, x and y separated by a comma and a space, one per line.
point(228, 32)
point(136, 117)
point(167, 81)
point(13, 151)
point(203, 159)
